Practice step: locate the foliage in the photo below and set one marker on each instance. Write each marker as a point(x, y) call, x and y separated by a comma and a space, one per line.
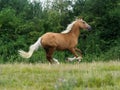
point(22, 22)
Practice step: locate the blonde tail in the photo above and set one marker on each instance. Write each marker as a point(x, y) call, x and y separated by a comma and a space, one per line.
point(32, 48)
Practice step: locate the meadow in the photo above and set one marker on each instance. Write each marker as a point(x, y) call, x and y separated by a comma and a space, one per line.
point(82, 76)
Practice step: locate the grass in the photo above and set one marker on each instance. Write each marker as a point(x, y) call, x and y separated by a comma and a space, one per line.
point(83, 76)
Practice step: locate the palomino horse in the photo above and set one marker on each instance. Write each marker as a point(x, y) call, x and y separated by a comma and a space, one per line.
point(66, 40)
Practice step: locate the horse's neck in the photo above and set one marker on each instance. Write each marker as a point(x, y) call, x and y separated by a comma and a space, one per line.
point(75, 32)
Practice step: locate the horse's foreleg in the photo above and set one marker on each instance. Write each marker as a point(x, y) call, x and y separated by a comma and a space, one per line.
point(79, 51)
point(73, 51)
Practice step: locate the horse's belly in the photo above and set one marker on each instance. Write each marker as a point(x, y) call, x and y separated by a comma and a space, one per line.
point(61, 48)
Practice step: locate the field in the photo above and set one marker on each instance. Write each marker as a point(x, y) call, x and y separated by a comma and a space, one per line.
point(83, 76)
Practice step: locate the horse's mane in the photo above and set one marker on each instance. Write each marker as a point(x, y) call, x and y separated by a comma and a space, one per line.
point(69, 27)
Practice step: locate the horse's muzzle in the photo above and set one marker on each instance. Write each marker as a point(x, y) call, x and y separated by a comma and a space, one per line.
point(89, 28)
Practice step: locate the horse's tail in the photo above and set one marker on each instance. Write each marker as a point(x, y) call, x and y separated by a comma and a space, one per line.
point(32, 48)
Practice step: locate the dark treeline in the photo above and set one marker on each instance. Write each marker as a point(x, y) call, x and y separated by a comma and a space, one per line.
point(22, 22)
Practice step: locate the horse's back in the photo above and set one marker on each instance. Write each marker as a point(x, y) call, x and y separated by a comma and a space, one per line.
point(50, 36)
point(51, 39)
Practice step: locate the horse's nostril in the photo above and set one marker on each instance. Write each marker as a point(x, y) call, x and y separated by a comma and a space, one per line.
point(89, 28)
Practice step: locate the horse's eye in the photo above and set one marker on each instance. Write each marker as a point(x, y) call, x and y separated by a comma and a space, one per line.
point(83, 22)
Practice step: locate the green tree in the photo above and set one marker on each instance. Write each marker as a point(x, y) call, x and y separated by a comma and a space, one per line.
point(22, 22)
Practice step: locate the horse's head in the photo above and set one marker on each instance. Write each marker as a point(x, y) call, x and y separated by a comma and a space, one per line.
point(83, 24)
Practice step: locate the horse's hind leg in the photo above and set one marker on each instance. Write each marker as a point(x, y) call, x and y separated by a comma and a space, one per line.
point(49, 53)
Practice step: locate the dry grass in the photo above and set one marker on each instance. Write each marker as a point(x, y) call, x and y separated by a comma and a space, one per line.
point(90, 76)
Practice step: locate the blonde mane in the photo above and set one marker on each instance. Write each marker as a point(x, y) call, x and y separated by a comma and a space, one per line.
point(69, 27)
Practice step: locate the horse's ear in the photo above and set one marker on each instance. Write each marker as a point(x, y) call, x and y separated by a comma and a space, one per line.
point(80, 17)
point(76, 18)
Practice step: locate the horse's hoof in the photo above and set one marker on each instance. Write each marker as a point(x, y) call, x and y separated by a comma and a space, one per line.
point(79, 60)
point(56, 61)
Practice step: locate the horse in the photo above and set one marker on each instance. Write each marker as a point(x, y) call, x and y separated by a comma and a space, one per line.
point(66, 40)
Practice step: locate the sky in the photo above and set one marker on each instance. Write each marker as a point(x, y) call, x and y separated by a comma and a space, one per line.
point(39, 0)
point(50, 1)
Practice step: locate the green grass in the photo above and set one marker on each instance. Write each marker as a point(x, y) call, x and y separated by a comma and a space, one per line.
point(83, 76)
